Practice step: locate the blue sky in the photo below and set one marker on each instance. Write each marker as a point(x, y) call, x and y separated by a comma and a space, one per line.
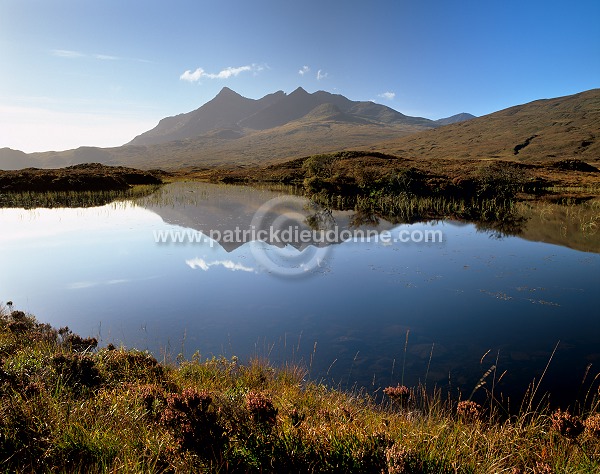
point(79, 72)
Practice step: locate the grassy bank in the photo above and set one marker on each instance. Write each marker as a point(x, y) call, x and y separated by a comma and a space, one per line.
point(66, 405)
point(369, 172)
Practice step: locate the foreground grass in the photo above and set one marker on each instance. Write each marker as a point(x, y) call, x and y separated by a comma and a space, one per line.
point(67, 406)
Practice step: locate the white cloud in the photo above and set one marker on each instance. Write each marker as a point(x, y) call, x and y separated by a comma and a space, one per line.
point(387, 95)
point(106, 57)
point(304, 70)
point(65, 53)
point(204, 265)
point(192, 76)
point(321, 75)
point(229, 72)
point(226, 73)
point(79, 285)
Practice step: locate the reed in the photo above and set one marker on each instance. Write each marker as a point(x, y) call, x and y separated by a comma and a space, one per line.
point(61, 199)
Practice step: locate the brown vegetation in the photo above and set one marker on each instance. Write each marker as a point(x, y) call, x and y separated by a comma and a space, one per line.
point(85, 177)
point(361, 171)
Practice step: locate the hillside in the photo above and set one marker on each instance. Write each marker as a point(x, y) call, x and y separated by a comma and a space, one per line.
point(14, 159)
point(298, 138)
point(543, 130)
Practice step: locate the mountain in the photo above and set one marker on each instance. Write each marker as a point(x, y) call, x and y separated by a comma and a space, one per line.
point(229, 115)
point(547, 129)
point(223, 112)
point(330, 112)
point(288, 108)
point(15, 160)
point(234, 131)
point(455, 119)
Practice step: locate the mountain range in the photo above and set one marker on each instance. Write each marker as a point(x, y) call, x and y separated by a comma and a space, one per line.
point(232, 129)
point(230, 115)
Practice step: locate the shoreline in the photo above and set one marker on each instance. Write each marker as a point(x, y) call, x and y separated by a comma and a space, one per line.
point(67, 404)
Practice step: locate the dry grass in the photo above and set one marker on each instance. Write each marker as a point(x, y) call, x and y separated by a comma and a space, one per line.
point(114, 410)
point(544, 130)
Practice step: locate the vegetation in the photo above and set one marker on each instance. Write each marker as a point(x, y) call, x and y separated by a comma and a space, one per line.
point(367, 172)
point(54, 199)
point(66, 405)
point(409, 194)
point(86, 177)
point(76, 186)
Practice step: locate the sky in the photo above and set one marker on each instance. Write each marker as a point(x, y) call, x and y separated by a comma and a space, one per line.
point(98, 73)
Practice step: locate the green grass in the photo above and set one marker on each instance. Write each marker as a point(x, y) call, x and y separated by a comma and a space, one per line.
point(55, 199)
point(67, 406)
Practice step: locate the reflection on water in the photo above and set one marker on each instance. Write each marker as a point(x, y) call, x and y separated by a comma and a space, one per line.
point(101, 272)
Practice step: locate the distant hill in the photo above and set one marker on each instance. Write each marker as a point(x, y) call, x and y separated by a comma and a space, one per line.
point(548, 129)
point(15, 160)
point(455, 119)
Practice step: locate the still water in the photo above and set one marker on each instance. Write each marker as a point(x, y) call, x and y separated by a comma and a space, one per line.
point(343, 309)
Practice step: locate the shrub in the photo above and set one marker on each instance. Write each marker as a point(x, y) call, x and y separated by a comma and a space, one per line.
point(74, 342)
point(398, 393)
point(592, 425)
point(500, 180)
point(567, 425)
point(118, 365)
point(261, 408)
point(76, 370)
point(193, 424)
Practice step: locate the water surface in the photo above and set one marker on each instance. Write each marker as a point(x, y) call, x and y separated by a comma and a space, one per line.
point(346, 308)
